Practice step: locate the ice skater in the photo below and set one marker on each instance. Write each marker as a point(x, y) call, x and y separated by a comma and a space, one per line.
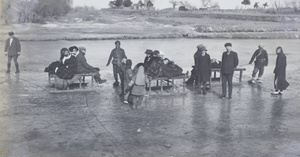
point(261, 60)
point(12, 50)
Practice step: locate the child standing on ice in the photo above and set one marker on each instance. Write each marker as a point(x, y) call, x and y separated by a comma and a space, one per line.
point(127, 78)
point(137, 85)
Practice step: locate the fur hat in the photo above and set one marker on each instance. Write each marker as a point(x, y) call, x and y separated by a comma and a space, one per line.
point(72, 48)
point(63, 50)
point(148, 51)
point(11, 33)
point(81, 48)
point(228, 44)
point(155, 52)
point(199, 46)
point(261, 45)
point(203, 48)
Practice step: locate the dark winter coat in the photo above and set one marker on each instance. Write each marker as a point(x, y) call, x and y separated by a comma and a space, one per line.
point(261, 58)
point(13, 48)
point(155, 66)
point(280, 72)
point(202, 66)
point(68, 69)
point(229, 62)
point(171, 70)
point(147, 62)
point(117, 55)
point(82, 65)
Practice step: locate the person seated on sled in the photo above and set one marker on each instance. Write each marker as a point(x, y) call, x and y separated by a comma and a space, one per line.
point(216, 63)
point(155, 65)
point(84, 67)
point(51, 68)
point(149, 55)
point(170, 69)
point(193, 78)
point(66, 71)
point(73, 50)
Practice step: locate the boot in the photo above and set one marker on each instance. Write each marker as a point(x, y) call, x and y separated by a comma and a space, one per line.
point(204, 91)
point(102, 81)
point(99, 80)
point(116, 84)
point(17, 68)
point(190, 81)
point(8, 68)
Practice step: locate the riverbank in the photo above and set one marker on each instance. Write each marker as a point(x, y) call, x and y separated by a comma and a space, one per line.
point(130, 24)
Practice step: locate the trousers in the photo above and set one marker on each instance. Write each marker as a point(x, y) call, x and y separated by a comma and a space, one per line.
point(227, 78)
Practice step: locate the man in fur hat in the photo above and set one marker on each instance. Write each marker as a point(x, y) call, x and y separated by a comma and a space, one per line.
point(229, 62)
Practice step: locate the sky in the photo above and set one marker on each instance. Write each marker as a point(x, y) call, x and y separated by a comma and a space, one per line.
point(160, 4)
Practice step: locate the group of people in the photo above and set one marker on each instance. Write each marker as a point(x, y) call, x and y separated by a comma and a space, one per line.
point(72, 61)
point(133, 81)
point(203, 65)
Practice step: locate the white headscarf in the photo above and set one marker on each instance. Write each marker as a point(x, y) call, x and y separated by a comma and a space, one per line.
point(139, 77)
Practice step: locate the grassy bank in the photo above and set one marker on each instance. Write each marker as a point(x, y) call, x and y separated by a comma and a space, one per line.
point(130, 24)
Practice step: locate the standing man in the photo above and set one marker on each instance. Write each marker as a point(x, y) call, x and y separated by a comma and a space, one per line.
point(229, 62)
point(12, 50)
point(117, 54)
point(261, 60)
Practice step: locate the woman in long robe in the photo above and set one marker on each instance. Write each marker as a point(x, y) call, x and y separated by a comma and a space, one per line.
point(202, 66)
point(280, 82)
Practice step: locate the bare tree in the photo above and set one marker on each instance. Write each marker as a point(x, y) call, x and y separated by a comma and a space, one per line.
point(206, 3)
point(186, 4)
point(17, 11)
point(295, 4)
point(174, 3)
point(276, 4)
point(53, 8)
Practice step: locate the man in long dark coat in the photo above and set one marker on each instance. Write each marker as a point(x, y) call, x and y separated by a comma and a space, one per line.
point(12, 50)
point(280, 82)
point(229, 62)
point(202, 67)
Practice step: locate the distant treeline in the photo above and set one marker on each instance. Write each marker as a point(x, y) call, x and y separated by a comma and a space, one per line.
point(33, 10)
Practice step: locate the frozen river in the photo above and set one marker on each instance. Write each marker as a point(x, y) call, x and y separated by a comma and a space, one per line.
point(36, 123)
